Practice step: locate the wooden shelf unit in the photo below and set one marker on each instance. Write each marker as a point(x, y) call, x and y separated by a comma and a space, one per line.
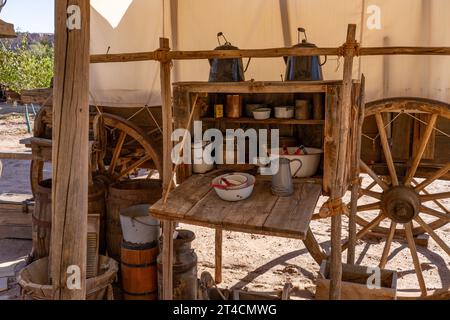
point(322, 133)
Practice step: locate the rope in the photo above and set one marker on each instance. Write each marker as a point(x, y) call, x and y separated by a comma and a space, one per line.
point(351, 46)
point(378, 135)
point(396, 117)
point(332, 208)
point(434, 128)
point(153, 118)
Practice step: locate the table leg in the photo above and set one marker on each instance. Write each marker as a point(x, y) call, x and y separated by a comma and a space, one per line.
point(218, 254)
point(314, 248)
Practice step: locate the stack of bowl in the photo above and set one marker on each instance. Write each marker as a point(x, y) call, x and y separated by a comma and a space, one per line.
point(234, 186)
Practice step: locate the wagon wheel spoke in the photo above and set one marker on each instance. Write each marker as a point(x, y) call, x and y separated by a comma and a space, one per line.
point(415, 258)
point(365, 230)
point(422, 146)
point(368, 207)
point(438, 174)
point(369, 188)
point(116, 153)
point(369, 193)
point(134, 166)
point(387, 245)
point(373, 175)
point(438, 203)
point(386, 148)
point(435, 196)
point(434, 213)
point(433, 234)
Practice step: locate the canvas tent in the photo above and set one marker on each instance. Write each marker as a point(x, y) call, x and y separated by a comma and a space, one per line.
point(136, 25)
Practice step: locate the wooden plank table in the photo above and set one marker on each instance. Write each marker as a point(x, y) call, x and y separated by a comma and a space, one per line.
point(195, 202)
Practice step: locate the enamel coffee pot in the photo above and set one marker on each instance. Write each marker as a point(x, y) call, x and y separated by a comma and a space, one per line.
point(282, 184)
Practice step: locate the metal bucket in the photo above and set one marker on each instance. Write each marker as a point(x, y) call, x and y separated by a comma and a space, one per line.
point(138, 227)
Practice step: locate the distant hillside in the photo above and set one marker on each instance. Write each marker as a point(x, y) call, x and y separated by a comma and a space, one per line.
point(32, 38)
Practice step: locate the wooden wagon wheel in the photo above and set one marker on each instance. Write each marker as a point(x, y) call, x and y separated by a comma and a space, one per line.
point(399, 202)
point(123, 148)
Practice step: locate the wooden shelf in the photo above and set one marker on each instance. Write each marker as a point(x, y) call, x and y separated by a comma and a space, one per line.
point(195, 202)
point(267, 121)
point(257, 86)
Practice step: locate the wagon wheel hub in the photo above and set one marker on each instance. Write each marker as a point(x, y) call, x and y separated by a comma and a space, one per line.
point(401, 204)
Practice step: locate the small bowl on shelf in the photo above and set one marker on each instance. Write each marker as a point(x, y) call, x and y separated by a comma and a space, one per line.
point(250, 107)
point(262, 113)
point(284, 112)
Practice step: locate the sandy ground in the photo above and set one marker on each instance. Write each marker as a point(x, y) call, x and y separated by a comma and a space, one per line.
point(256, 262)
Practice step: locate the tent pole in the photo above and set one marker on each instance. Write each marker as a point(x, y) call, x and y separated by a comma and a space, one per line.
point(70, 153)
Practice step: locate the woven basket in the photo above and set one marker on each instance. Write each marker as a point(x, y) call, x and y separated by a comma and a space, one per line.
point(35, 284)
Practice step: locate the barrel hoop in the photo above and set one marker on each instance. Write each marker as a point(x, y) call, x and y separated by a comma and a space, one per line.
point(146, 246)
point(143, 265)
point(40, 223)
point(140, 294)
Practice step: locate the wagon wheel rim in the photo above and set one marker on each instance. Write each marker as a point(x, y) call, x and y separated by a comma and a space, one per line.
point(124, 162)
point(402, 221)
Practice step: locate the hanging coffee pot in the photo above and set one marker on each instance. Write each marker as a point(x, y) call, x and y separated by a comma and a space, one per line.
point(226, 70)
point(304, 68)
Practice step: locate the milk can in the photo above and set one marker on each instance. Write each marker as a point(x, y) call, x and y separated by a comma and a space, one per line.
point(184, 267)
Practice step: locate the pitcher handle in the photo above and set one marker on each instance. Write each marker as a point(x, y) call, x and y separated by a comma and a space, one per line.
point(299, 168)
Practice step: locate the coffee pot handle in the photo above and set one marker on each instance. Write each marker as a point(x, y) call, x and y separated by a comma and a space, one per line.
point(299, 168)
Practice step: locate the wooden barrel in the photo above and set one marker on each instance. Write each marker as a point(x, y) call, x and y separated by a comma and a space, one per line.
point(42, 216)
point(139, 271)
point(123, 195)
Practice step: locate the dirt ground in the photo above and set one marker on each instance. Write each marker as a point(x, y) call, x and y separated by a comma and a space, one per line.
point(255, 262)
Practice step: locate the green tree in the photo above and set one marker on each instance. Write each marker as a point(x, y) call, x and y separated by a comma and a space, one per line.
point(26, 66)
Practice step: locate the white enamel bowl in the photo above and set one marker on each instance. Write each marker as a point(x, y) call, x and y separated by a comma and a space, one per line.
point(310, 162)
point(235, 194)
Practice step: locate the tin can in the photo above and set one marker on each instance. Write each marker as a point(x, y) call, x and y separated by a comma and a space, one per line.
point(234, 106)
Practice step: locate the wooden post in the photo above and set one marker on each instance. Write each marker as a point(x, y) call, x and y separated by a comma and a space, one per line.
point(70, 153)
point(356, 172)
point(339, 187)
point(218, 256)
point(168, 227)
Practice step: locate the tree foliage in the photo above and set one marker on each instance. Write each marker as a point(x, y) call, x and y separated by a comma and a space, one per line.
point(26, 66)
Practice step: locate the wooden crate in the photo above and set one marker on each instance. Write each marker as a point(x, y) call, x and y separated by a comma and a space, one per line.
point(354, 284)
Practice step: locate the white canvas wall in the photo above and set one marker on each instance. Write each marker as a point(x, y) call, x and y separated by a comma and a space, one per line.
point(193, 25)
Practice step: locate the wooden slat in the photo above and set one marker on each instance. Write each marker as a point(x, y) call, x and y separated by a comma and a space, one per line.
point(257, 86)
point(421, 149)
point(297, 211)
point(401, 137)
point(263, 53)
point(253, 212)
point(183, 198)
point(16, 156)
point(419, 130)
